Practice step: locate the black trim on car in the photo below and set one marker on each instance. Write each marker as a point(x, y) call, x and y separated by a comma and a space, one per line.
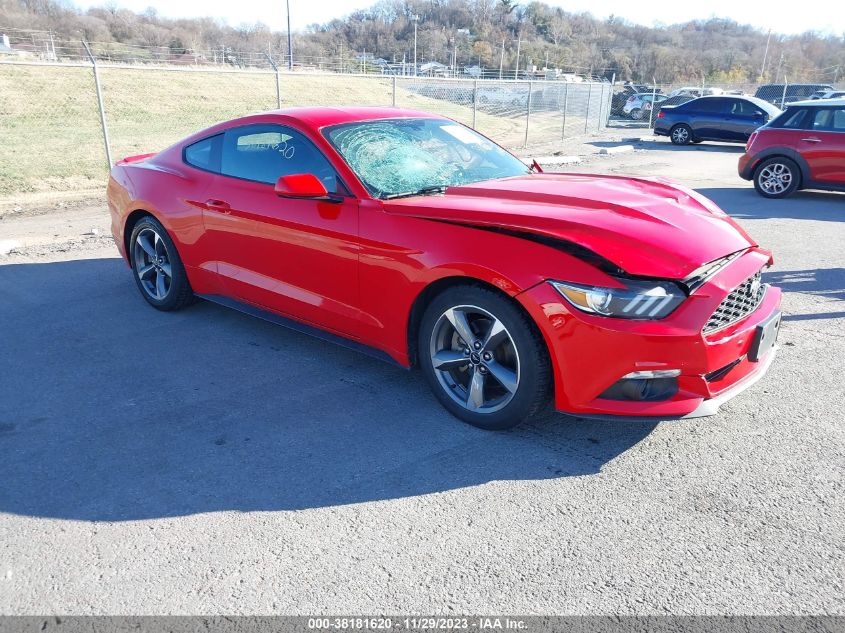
point(303, 328)
point(570, 248)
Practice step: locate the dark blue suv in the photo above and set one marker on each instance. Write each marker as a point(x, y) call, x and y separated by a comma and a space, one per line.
point(714, 118)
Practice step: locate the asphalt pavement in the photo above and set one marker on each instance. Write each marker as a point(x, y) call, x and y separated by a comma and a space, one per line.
point(208, 462)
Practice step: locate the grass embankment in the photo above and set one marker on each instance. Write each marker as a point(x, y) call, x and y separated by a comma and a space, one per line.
point(51, 141)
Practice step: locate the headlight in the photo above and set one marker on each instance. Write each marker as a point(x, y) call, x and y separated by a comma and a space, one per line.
point(636, 300)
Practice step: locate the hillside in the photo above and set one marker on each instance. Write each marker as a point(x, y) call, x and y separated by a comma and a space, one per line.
point(471, 32)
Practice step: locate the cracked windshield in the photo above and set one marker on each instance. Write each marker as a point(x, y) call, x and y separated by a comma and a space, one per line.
point(399, 157)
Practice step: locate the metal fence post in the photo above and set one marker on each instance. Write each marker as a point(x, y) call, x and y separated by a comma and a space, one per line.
point(587, 113)
point(278, 84)
point(565, 107)
point(474, 102)
point(394, 91)
point(601, 109)
point(654, 99)
point(100, 103)
point(527, 114)
point(783, 98)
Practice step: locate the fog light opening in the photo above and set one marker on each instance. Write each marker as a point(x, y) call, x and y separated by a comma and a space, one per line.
point(642, 389)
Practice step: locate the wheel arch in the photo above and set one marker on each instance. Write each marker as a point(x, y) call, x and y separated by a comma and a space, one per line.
point(685, 124)
point(783, 152)
point(431, 290)
point(129, 225)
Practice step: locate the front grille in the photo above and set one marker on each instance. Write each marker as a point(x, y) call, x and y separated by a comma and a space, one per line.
point(742, 301)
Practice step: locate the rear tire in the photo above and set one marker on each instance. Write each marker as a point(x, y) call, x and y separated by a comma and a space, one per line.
point(681, 134)
point(636, 114)
point(157, 267)
point(483, 358)
point(777, 177)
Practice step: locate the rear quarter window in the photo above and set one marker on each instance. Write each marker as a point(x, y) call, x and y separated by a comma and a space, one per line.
point(707, 106)
point(792, 119)
point(205, 154)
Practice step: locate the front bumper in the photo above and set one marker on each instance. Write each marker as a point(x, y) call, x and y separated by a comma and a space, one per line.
point(591, 353)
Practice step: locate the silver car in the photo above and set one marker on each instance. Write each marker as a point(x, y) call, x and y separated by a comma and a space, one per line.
point(639, 104)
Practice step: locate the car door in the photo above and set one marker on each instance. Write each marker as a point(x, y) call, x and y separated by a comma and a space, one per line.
point(741, 119)
point(823, 145)
point(298, 257)
point(707, 117)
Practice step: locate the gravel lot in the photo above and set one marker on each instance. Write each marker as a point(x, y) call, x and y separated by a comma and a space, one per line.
point(208, 462)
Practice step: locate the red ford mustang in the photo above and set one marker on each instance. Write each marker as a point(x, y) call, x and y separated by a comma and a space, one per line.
point(416, 239)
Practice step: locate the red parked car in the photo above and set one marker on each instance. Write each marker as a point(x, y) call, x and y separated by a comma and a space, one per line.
point(420, 241)
point(803, 148)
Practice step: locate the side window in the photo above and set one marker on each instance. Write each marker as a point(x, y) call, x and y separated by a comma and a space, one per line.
point(709, 106)
point(792, 119)
point(744, 108)
point(829, 119)
point(264, 153)
point(205, 154)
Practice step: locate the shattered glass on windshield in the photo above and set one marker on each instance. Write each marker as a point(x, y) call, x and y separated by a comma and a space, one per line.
point(395, 157)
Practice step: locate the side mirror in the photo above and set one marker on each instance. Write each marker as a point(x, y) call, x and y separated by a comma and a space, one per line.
point(306, 186)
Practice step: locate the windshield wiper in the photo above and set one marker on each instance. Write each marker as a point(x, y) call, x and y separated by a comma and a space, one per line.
point(425, 191)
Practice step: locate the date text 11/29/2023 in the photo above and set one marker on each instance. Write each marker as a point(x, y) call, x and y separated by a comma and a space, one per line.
point(418, 623)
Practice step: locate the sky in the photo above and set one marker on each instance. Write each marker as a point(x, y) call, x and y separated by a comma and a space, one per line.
point(761, 13)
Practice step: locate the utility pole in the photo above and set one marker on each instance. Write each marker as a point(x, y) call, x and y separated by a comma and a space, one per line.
point(416, 19)
point(502, 60)
point(290, 40)
point(516, 69)
point(765, 55)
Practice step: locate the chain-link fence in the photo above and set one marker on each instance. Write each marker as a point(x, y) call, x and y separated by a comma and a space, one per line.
point(638, 105)
point(62, 124)
point(48, 46)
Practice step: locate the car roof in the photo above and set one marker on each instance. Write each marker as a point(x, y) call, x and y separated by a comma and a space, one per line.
point(750, 98)
point(320, 116)
point(819, 86)
point(313, 118)
point(821, 103)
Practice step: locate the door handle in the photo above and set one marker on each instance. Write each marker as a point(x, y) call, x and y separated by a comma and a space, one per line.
point(218, 205)
point(811, 140)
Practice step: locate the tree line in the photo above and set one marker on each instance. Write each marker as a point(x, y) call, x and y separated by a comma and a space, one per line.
point(486, 33)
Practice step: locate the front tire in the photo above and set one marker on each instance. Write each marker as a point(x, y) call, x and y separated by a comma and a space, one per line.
point(483, 358)
point(681, 135)
point(157, 267)
point(777, 177)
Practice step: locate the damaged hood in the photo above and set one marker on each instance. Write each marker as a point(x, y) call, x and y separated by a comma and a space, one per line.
point(647, 227)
